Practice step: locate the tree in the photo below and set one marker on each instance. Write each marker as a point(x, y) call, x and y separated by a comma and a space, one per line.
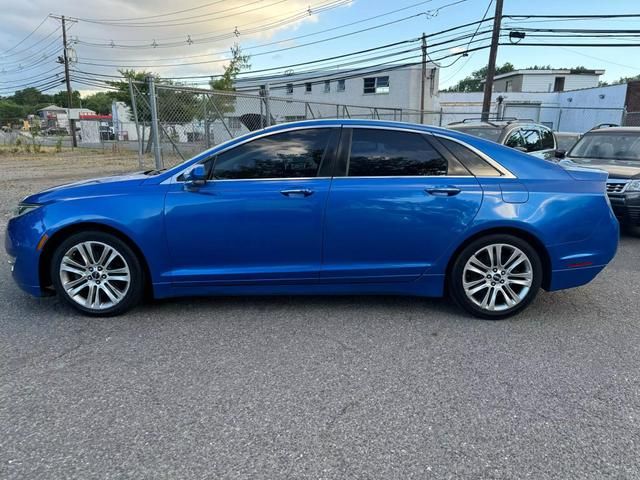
point(473, 83)
point(237, 64)
point(10, 112)
point(100, 102)
point(60, 99)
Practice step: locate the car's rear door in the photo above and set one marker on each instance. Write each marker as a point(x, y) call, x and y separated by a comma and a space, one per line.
point(395, 206)
point(259, 217)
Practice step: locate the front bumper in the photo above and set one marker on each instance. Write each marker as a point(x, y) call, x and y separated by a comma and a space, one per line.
point(626, 207)
point(21, 242)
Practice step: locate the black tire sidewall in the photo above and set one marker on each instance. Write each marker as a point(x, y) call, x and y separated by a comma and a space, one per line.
point(136, 287)
point(456, 289)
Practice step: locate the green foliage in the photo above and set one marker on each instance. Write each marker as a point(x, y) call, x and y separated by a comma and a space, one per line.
point(10, 112)
point(237, 64)
point(473, 83)
point(59, 145)
point(100, 102)
point(61, 99)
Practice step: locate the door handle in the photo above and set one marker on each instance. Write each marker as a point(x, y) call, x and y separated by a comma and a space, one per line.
point(442, 191)
point(297, 192)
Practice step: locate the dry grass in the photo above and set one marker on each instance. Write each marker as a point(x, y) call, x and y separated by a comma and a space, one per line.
point(23, 173)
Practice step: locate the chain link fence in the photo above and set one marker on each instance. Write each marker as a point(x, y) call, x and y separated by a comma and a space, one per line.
point(173, 123)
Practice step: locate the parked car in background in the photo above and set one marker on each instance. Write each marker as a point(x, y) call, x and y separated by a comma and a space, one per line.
point(56, 131)
point(566, 140)
point(615, 150)
point(322, 207)
point(533, 138)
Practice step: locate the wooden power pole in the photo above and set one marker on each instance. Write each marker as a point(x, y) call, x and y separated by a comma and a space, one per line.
point(423, 76)
point(491, 68)
point(67, 78)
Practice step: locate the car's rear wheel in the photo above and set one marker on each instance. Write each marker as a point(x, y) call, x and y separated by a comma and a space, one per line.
point(496, 276)
point(97, 273)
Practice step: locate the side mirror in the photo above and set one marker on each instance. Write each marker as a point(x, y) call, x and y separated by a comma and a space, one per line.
point(560, 153)
point(196, 177)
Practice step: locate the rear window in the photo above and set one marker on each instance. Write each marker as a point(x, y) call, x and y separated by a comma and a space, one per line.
point(487, 133)
point(471, 160)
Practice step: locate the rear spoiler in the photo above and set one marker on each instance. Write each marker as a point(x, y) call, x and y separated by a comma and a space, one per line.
point(578, 172)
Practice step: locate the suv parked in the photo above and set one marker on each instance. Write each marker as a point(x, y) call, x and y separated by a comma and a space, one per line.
point(523, 135)
point(617, 151)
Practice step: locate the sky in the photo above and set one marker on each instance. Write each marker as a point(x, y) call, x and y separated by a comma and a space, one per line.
point(193, 37)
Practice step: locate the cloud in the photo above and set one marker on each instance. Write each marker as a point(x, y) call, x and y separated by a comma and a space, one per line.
point(191, 36)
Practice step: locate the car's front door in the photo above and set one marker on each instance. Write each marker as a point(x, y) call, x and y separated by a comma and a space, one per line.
point(398, 206)
point(259, 216)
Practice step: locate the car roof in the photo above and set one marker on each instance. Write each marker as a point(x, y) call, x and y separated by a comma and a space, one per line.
point(492, 124)
point(606, 130)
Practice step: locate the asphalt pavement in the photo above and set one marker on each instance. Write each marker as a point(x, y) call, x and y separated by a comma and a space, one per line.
point(325, 387)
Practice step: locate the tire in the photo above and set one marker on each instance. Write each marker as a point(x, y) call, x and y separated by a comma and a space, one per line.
point(477, 273)
point(97, 274)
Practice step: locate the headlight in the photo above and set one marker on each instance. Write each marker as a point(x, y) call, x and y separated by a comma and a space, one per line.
point(633, 186)
point(23, 208)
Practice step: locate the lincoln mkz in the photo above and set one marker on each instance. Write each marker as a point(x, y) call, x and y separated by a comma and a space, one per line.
point(339, 207)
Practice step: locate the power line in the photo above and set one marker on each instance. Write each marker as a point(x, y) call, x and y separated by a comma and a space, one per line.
point(27, 37)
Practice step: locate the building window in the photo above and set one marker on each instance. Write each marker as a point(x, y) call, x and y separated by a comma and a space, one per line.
point(327, 86)
point(376, 85)
point(234, 123)
point(508, 86)
point(341, 85)
point(289, 88)
point(558, 84)
point(307, 88)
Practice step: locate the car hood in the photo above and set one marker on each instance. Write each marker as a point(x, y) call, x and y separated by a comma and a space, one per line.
point(91, 187)
point(614, 170)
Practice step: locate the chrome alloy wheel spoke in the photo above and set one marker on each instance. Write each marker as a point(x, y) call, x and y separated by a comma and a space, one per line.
point(95, 275)
point(497, 277)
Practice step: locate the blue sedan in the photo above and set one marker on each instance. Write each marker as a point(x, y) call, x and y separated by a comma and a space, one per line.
point(322, 207)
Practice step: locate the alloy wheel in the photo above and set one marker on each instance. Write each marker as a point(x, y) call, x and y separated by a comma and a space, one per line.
point(497, 277)
point(95, 275)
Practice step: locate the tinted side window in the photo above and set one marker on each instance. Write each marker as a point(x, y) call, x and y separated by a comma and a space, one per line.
point(532, 139)
point(515, 140)
point(282, 155)
point(474, 163)
point(547, 141)
point(379, 153)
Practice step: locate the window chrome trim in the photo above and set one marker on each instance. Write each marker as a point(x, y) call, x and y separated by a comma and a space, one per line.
point(505, 173)
point(174, 178)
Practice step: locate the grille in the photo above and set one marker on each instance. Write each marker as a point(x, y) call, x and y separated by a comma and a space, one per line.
point(615, 187)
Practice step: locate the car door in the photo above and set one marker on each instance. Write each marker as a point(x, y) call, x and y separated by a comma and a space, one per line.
point(547, 143)
point(259, 216)
point(395, 206)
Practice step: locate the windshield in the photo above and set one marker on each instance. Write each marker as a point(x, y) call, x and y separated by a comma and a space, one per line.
point(492, 134)
point(611, 147)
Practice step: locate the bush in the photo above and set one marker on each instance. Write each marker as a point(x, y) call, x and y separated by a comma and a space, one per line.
point(59, 145)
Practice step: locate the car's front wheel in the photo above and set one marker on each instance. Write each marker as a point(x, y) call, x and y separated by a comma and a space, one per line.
point(97, 273)
point(496, 276)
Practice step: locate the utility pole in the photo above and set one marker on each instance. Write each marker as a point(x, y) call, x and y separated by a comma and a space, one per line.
point(65, 61)
point(423, 76)
point(491, 68)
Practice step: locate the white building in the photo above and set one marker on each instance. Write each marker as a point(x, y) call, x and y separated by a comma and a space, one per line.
point(556, 80)
point(54, 116)
point(388, 91)
point(572, 111)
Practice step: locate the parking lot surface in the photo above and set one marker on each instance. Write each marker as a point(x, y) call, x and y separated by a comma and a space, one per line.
point(321, 387)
